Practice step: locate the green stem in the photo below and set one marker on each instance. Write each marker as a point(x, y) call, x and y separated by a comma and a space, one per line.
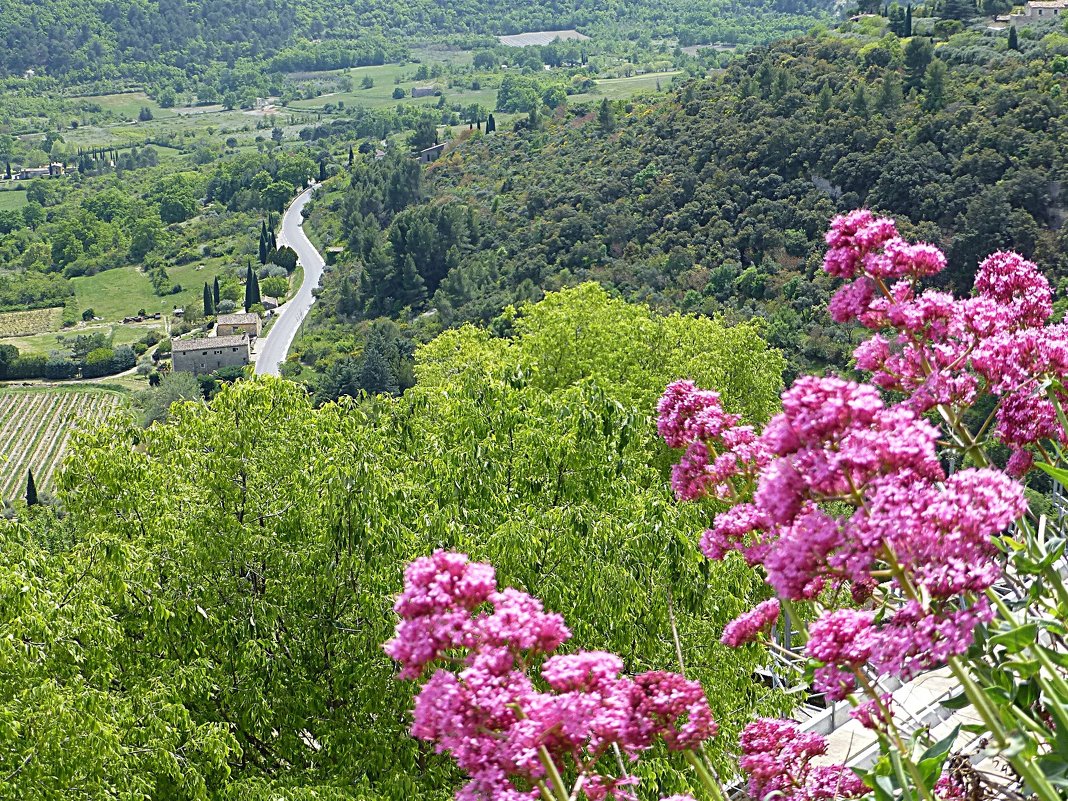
point(895, 735)
point(705, 775)
point(555, 779)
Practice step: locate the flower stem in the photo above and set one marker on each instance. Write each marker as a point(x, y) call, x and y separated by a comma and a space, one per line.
point(705, 775)
point(555, 779)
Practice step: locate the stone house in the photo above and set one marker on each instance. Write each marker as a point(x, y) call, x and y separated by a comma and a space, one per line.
point(243, 322)
point(425, 91)
point(208, 354)
point(1038, 10)
point(431, 153)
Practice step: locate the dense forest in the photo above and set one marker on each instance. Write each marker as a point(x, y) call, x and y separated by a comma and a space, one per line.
point(715, 199)
point(146, 40)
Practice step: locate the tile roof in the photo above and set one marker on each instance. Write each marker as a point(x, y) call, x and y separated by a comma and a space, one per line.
point(207, 343)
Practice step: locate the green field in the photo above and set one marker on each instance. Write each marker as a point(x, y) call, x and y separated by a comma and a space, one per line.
point(44, 344)
point(12, 199)
point(35, 430)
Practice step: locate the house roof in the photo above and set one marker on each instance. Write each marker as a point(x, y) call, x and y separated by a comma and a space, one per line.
point(1048, 4)
point(439, 147)
point(237, 318)
point(207, 343)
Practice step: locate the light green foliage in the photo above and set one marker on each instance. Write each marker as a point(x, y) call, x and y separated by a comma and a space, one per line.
point(245, 554)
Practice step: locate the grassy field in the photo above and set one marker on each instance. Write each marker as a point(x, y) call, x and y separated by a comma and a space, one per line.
point(12, 200)
point(122, 292)
point(44, 344)
point(35, 430)
point(32, 321)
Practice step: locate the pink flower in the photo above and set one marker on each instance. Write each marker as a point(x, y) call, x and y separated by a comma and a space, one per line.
point(520, 622)
point(586, 670)
point(851, 300)
point(852, 237)
point(777, 755)
point(874, 715)
point(745, 628)
point(899, 259)
point(686, 414)
point(842, 641)
point(1019, 463)
point(1018, 286)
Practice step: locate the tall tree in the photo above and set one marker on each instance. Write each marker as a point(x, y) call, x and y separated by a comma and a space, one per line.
point(31, 489)
point(322, 171)
point(263, 246)
point(491, 124)
point(918, 54)
point(209, 300)
point(908, 21)
point(215, 292)
point(255, 290)
point(606, 116)
point(1014, 42)
point(934, 87)
point(250, 276)
point(352, 156)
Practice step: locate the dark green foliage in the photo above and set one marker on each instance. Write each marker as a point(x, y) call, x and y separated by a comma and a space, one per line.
point(209, 300)
point(491, 124)
point(715, 198)
point(250, 278)
point(1014, 42)
point(215, 292)
point(31, 489)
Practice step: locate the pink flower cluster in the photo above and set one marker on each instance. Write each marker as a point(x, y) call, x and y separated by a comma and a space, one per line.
point(486, 709)
point(778, 756)
point(720, 454)
point(941, 351)
point(836, 441)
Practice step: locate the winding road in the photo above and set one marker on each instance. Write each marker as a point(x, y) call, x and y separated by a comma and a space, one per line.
point(272, 349)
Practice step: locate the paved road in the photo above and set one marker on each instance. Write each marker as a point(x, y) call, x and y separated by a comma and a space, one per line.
point(273, 348)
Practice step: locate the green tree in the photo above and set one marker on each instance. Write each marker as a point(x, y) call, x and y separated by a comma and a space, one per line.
point(209, 300)
point(215, 291)
point(1014, 42)
point(250, 278)
point(934, 88)
point(890, 94)
point(31, 489)
point(491, 124)
point(606, 116)
point(908, 21)
point(918, 54)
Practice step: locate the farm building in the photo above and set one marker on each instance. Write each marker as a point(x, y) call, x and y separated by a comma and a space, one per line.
point(1038, 10)
point(231, 324)
point(431, 153)
point(425, 91)
point(209, 354)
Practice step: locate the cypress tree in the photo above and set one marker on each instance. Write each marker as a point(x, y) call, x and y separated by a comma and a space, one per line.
point(209, 300)
point(352, 156)
point(322, 171)
point(1014, 42)
point(9, 171)
point(274, 241)
point(908, 21)
point(215, 292)
point(31, 489)
point(605, 116)
point(255, 289)
point(491, 124)
point(263, 247)
point(249, 276)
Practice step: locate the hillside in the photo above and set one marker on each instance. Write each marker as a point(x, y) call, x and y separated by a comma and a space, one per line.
point(714, 199)
point(90, 39)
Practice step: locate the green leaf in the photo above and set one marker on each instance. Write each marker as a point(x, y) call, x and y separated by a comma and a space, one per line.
point(1016, 640)
point(1058, 474)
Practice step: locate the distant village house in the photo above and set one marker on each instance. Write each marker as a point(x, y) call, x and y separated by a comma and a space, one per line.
point(431, 153)
point(209, 354)
point(425, 91)
point(247, 323)
point(1038, 10)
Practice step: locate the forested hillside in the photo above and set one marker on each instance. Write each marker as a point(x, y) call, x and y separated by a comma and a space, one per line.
point(206, 620)
point(89, 39)
point(715, 199)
